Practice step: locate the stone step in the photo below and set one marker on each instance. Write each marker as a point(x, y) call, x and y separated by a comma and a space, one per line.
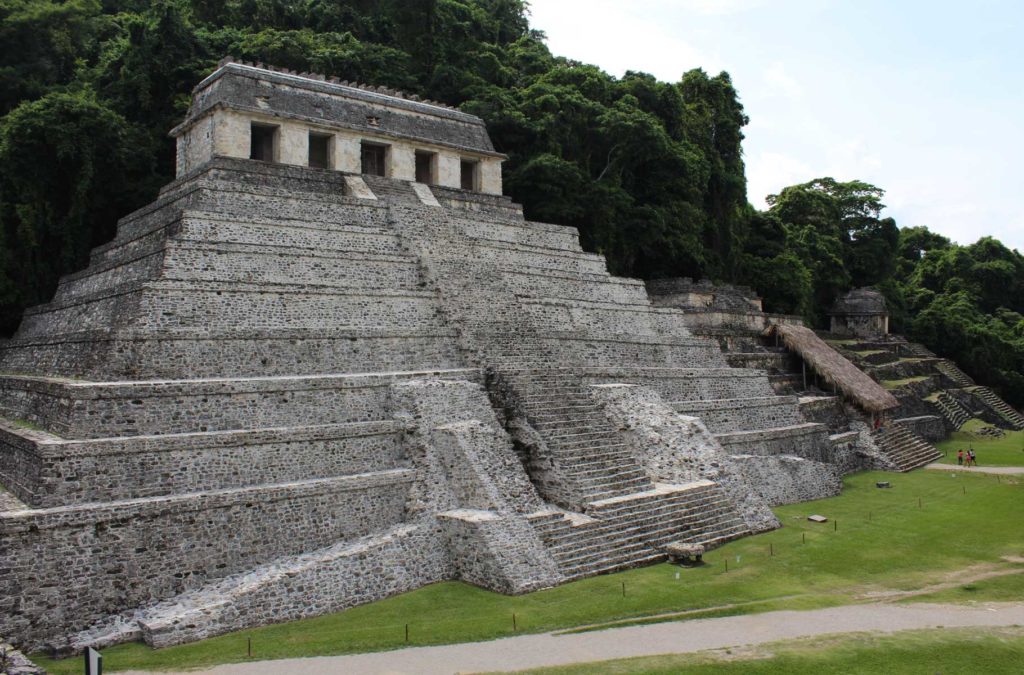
point(595, 435)
point(601, 544)
point(560, 421)
point(622, 483)
point(607, 458)
point(693, 498)
point(612, 565)
point(693, 517)
point(605, 473)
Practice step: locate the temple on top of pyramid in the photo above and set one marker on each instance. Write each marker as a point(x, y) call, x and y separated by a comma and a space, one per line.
point(250, 112)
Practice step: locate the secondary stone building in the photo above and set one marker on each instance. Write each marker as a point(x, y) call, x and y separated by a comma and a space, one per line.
point(331, 363)
point(860, 313)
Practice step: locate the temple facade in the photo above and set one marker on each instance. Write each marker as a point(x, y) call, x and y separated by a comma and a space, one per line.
point(248, 112)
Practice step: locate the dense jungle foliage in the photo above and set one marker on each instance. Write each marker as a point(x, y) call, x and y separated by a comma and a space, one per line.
point(650, 172)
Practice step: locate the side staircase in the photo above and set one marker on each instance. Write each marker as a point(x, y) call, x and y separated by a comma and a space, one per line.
point(906, 449)
point(916, 349)
point(1001, 407)
point(951, 410)
point(950, 370)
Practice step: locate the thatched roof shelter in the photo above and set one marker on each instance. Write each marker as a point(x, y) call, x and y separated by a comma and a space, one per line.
point(832, 367)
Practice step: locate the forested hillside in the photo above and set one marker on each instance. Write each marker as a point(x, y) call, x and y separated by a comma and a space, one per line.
point(650, 172)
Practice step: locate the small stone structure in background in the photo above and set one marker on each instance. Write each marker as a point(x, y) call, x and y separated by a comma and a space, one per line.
point(860, 313)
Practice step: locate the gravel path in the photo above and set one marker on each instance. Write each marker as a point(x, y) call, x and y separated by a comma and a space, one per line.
point(549, 649)
point(1004, 470)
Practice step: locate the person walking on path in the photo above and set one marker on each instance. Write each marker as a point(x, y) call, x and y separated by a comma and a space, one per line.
point(973, 457)
point(960, 456)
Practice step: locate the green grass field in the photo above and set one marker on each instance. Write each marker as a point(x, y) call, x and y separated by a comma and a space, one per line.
point(877, 540)
point(913, 652)
point(1005, 451)
point(896, 384)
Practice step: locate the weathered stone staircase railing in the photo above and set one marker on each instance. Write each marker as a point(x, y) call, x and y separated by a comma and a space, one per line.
point(906, 449)
point(999, 406)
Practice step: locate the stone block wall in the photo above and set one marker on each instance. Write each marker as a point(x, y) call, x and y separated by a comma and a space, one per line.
point(827, 410)
point(65, 568)
point(99, 410)
point(501, 553)
point(787, 479)
point(313, 584)
point(929, 427)
point(47, 471)
point(809, 441)
point(729, 415)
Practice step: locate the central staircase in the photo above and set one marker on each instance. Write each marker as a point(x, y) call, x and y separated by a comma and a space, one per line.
point(633, 530)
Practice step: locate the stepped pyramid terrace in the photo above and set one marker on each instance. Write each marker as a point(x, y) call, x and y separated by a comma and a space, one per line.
point(332, 363)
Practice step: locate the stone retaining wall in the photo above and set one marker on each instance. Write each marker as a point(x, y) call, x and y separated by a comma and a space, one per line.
point(65, 568)
point(46, 471)
point(98, 410)
point(787, 479)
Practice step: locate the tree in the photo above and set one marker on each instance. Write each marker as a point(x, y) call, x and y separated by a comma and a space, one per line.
point(64, 164)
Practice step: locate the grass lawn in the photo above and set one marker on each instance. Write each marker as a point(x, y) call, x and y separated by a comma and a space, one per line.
point(876, 540)
point(999, 650)
point(896, 384)
point(1005, 451)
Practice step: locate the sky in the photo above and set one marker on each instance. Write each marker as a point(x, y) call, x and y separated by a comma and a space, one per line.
point(922, 99)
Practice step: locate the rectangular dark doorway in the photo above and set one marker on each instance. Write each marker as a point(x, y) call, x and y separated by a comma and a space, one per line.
point(469, 174)
point(319, 150)
point(263, 140)
point(373, 158)
point(425, 163)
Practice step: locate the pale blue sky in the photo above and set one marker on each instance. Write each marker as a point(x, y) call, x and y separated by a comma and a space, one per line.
point(923, 99)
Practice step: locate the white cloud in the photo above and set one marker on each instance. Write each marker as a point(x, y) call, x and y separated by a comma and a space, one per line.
point(769, 172)
point(779, 80)
point(719, 7)
point(604, 33)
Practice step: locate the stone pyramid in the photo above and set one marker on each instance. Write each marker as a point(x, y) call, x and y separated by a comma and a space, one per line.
point(291, 385)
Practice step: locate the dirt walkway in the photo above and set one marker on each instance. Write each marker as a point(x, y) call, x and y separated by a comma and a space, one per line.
point(1003, 470)
point(535, 651)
